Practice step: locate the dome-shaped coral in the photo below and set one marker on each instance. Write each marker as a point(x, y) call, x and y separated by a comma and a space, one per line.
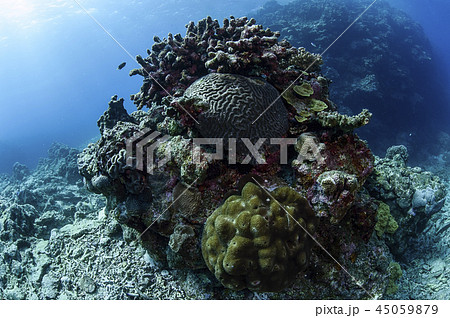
point(258, 241)
point(232, 103)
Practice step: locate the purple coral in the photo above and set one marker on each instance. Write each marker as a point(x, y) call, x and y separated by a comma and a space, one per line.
point(239, 46)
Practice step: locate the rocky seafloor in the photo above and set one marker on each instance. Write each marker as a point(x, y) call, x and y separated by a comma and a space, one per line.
point(57, 243)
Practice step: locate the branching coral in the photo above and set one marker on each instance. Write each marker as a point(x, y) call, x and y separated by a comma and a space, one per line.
point(344, 122)
point(239, 46)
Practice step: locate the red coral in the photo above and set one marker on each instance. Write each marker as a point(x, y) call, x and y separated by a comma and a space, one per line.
point(348, 153)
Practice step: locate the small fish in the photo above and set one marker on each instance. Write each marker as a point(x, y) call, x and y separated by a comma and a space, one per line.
point(121, 66)
point(313, 44)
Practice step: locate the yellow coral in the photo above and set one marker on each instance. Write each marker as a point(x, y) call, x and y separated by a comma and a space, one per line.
point(385, 221)
point(292, 99)
point(395, 272)
point(304, 89)
point(258, 241)
point(317, 105)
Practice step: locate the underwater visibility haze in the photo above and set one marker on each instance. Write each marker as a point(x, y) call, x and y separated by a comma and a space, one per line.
point(333, 164)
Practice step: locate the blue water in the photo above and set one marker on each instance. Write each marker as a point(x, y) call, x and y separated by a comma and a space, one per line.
point(58, 67)
point(433, 15)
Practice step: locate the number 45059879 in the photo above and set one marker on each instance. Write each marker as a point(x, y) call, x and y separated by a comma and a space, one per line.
point(407, 309)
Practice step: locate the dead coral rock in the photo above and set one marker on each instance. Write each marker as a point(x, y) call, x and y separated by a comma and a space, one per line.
point(334, 194)
point(115, 112)
point(186, 200)
point(309, 148)
point(20, 171)
point(184, 248)
point(17, 221)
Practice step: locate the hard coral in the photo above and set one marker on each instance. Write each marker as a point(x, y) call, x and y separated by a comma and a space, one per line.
point(304, 89)
point(240, 46)
point(344, 122)
point(253, 240)
point(333, 194)
point(259, 241)
point(236, 106)
point(116, 112)
point(412, 194)
point(385, 221)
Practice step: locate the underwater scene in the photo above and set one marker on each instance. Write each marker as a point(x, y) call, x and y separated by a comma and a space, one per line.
point(239, 150)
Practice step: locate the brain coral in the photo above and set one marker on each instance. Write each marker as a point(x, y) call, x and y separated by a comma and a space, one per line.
point(233, 102)
point(251, 242)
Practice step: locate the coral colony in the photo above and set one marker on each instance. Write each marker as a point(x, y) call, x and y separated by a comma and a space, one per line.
point(247, 222)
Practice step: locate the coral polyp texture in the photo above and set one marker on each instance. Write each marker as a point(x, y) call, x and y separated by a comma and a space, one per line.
point(244, 221)
point(235, 106)
point(258, 240)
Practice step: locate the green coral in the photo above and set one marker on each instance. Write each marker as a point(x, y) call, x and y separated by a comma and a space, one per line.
point(257, 241)
point(317, 105)
point(299, 98)
point(395, 272)
point(304, 89)
point(292, 99)
point(385, 221)
point(303, 116)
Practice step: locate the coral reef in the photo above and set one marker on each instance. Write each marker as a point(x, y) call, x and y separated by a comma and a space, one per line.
point(363, 75)
point(344, 122)
point(116, 112)
point(331, 171)
point(184, 248)
point(333, 194)
point(104, 164)
point(192, 224)
point(196, 209)
point(230, 104)
point(31, 209)
point(259, 241)
point(170, 204)
point(186, 200)
point(425, 265)
point(17, 221)
point(80, 253)
point(412, 194)
point(20, 171)
point(304, 90)
point(239, 46)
